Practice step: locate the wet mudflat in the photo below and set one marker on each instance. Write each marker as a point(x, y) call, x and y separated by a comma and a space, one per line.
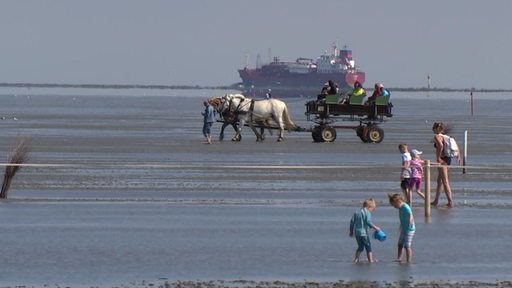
point(126, 192)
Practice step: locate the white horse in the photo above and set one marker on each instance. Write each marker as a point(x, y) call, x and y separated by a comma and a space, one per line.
point(229, 117)
point(260, 111)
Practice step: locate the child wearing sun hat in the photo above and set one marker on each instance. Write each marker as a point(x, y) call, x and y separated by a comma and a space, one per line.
point(416, 165)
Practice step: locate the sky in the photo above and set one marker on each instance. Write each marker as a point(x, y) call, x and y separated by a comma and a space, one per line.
point(459, 43)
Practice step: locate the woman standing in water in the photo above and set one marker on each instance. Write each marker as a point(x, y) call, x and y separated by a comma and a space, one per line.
point(443, 181)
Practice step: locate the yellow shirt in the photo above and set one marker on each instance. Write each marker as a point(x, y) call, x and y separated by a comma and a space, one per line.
point(357, 92)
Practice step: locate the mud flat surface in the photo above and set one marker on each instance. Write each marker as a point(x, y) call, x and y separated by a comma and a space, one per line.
point(122, 192)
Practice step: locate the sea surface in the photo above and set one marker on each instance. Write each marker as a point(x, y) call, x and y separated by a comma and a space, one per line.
point(120, 188)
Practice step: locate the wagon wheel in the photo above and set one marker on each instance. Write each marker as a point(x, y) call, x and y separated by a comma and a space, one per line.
point(317, 134)
point(360, 131)
point(375, 134)
point(328, 134)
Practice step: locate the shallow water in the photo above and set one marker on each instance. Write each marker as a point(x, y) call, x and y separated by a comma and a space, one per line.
point(140, 197)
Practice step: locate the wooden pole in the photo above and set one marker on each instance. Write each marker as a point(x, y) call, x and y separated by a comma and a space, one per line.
point(427, 188)
point(465, 155)
point(472, 105)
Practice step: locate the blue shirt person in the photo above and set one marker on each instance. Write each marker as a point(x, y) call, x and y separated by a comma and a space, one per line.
point(208, 119)
point(360, 223)
point(407, 226)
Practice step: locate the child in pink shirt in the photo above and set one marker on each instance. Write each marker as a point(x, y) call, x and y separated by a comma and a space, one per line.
point(416, 165)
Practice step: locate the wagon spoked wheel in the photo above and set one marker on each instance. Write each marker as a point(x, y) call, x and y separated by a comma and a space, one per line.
point(375, 134)
point(328, 134)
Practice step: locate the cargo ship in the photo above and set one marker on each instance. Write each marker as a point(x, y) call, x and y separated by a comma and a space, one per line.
point(303, 78)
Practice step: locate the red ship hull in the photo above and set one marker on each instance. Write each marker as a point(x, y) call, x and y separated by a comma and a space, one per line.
point(256, 84)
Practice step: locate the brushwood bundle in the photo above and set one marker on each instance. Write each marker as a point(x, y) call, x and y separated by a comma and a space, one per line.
point(18, 156)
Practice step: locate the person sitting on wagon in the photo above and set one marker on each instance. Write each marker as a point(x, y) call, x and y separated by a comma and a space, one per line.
point(330, 88)
point(323, 93)
point(377, 92)
point(333, 88)
point(357, 91)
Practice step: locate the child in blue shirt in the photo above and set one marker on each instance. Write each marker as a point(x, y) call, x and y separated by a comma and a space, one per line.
point(407, 226)
point(359, 224)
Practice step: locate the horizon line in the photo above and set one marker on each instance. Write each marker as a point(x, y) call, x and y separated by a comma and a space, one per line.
point(220, 87)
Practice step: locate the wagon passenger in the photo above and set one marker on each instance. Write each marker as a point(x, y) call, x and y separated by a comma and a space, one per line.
point(357, 91)
point(333, 88)
point(377, 92)
point(330, 88)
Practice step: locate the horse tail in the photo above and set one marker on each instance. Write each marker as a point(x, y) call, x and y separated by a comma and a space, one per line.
point(290, 126)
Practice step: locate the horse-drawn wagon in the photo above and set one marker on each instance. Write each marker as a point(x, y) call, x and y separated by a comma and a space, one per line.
point(326, 113)
point(273, 114)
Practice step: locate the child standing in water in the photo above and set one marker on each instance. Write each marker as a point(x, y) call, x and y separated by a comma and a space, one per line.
point(405, 173)
point(359, 224)
point(407, 227)
point(416, 165)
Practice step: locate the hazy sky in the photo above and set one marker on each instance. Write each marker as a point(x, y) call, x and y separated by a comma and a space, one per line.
point(461, 44)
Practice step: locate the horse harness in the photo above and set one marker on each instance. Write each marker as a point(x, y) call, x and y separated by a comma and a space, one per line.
point(238, 110)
